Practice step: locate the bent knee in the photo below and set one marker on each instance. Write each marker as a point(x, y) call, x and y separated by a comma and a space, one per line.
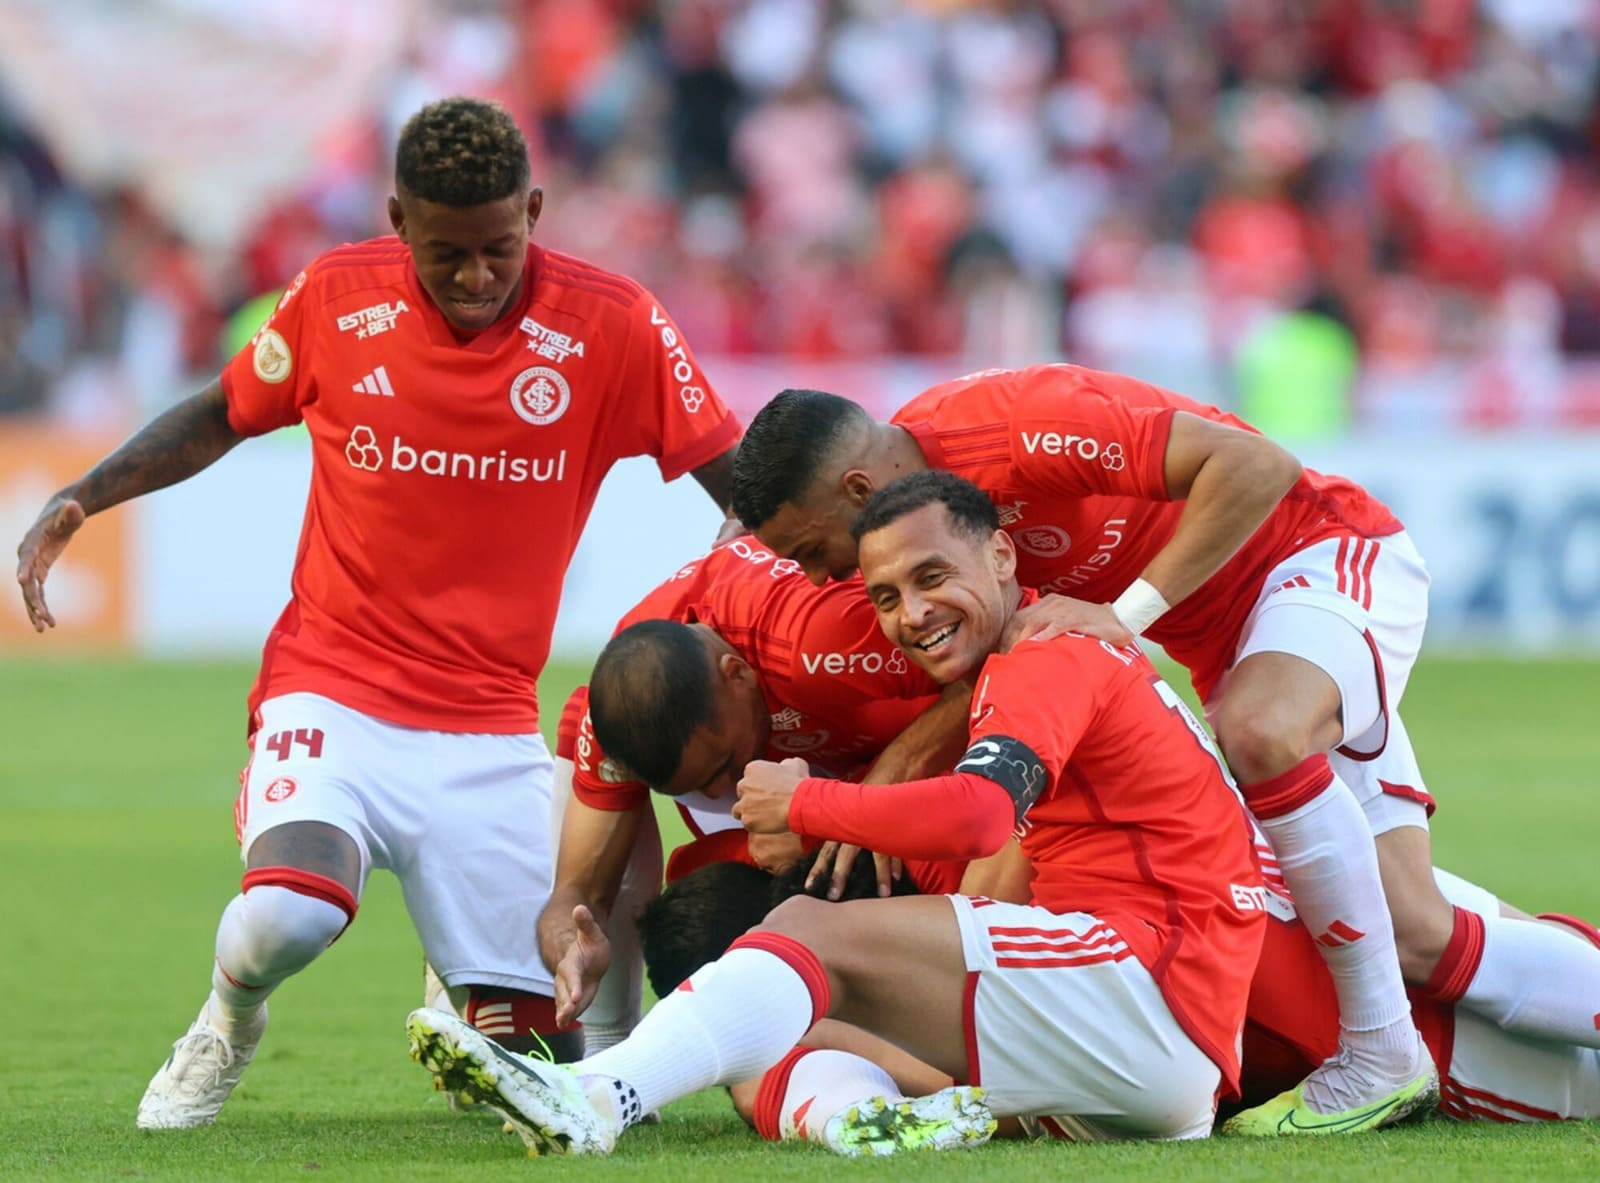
point(802, 918)
point(286, 925)
point(1260, 745)
point(1422, 930)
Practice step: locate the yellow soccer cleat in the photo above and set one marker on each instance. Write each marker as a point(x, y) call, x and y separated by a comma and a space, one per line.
point(1288, 1115)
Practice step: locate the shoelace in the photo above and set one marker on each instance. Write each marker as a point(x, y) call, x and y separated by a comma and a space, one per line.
point(200, 1042)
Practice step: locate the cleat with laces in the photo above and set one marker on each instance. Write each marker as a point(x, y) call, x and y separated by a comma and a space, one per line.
point(544, 1104)
point(1362, 1104)
point(202, 1070)
point(950, 1119)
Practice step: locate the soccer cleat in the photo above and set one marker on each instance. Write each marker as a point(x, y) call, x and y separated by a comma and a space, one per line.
point(202, 1070)
point(1288, 1114)
point(950, 1119)
point(543, 1104)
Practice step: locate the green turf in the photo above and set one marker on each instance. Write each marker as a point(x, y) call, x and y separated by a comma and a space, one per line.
point(117, 853)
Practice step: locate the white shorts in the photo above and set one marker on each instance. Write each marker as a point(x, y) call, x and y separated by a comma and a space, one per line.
point(1355, 608)
point(461, 819)
point(1494, 1075)
point(1095, 1040)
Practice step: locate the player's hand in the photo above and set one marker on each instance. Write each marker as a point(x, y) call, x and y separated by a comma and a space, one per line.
point(1054, 616)
point(834, 861)
point(765, 791)
point(581, 967)
point(41, 546)
point(776, 852)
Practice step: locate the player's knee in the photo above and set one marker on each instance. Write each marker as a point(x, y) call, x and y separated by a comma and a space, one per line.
point(803, 918)
point(1260, 744)
point(286, 929)
point(1423, 924)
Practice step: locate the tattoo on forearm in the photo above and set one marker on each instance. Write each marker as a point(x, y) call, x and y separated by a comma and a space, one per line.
point(172, 447)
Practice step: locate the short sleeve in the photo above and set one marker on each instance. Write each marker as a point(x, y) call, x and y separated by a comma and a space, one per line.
point(1079, 433)
point(684, 418)
point(597, 780)
point(268, 381)
point(1044, 693)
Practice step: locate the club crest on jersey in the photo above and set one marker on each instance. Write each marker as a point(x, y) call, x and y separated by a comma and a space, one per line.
point(369, 322)
point(800, 741)
point(272, 359)
point(1044, 542)
point(540, 395)
point(546, 342)
point(281, 789)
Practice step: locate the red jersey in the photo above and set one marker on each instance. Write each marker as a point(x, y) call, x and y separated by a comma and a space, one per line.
point(1124, 813)
point(1075, 461)
point(452, 476)
point(837, 689)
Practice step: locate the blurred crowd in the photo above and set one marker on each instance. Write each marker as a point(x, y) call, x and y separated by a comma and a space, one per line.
point(1214, 194)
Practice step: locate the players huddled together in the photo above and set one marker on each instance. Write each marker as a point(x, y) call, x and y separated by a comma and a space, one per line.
point(1081, 916)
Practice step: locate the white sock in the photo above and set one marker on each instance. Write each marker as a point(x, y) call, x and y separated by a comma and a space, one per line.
point(736, 1018)
point(1537, 980)
point(800, 1094)
point(1326, 852)
point(266, 935)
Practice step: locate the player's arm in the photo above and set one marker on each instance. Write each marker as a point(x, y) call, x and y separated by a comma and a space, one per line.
point(172, 447)
point(716, 478)
point(1229, 480)
point(594, 850)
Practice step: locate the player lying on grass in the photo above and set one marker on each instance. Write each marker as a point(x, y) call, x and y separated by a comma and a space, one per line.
point(1297, 602)
point(734, 658)
point(1488, 1074)
point(1118, 994)
point(465, 392)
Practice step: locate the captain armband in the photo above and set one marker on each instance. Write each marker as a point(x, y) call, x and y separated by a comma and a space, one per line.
point(1012, 765)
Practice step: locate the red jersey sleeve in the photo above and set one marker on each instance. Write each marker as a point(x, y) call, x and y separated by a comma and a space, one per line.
point(597, 781)
point(267, 382)
point(1042, 694)
point(684, 419)
point(1080, 432)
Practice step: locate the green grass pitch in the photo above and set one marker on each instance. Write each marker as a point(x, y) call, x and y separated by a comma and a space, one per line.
point(117, 854)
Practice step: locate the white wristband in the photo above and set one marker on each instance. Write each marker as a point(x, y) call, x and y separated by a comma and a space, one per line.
point(1139, 607)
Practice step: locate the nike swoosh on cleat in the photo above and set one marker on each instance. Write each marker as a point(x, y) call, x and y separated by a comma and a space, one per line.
point(1344, 1122)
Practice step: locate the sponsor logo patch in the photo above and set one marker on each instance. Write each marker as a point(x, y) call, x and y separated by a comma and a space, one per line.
point(546, 342)
point(369, 322)
point(362, 451)
point(540, 395)
point(1084, 447)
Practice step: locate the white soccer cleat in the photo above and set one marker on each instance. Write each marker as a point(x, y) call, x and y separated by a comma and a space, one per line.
point(202, 1070)
point(950, 1119)
point(544, 1104)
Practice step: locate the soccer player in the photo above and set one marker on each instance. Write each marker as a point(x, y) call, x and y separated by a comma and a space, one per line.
point(734, 658)
point(1117, 995)
point(1297, 602)
point(465, 391)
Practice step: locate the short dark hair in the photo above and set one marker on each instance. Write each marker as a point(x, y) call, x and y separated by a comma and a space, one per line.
point(784, 448)
point(462, 151)
point(695, 918)
point(650, 690)
point(971, 510)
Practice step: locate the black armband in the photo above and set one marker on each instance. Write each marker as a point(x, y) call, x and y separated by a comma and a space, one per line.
point(1012, 765)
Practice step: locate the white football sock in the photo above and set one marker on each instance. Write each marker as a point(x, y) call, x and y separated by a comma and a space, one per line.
point(731, 1021)
point(1538, 981)
point(267, 934)
point(815, 1085)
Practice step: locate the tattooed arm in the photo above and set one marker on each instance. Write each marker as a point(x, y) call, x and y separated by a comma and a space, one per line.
point(171, 447)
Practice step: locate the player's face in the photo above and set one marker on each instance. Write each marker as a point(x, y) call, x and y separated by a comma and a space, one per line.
point(939, 593)
point(715, 756)
point(469, 259)
point(816, 534)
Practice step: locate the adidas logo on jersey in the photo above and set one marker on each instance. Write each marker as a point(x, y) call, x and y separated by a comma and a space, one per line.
point(376, 382)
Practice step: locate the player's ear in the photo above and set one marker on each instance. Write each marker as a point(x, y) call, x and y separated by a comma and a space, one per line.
point(733, 668)
point(1003, 554)
point(397, 217)
point(535, 206)
point(857, 487)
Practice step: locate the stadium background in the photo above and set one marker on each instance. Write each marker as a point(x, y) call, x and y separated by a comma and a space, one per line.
point(1371, 226)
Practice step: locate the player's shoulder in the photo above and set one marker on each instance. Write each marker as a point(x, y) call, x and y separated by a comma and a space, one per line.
point(1090, 657)
point(576, 286)
point(351, 267)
